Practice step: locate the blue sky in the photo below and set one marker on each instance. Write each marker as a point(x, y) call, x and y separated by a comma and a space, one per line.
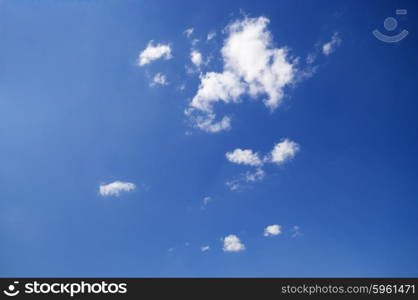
point(330, 164)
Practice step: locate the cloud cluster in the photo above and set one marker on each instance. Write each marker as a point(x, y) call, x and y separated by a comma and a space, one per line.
point(232, 243)
point(281, 153)
point(152, 53)
point(251, 66)
point(116, 188)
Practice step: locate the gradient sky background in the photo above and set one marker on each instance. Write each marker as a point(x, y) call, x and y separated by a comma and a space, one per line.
point(76, 111)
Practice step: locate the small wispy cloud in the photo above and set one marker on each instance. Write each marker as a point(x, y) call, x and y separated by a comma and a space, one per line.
point(330, 47)
point(255, 176)
point(296, 232)
point(234, 185)
point(245, 157)
point(196, 58)
point(116, 188)
point(205, 248)
point(159, 79)
point(284, 151)
point(272, 230)
point(248, 177)
point(188, 32)
point(208, 124)
point(206, 201)
point(152, 53)
point(181, 87)
point(211, 35)
point(232, 243)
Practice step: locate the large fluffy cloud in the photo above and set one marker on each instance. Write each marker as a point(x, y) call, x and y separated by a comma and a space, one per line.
point(251, 66)
point(116, 188)
point(232, 243)
point(152, 53)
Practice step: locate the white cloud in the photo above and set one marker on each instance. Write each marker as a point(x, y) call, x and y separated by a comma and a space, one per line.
point(255, 176)
point(281, 153)
point(206, 200)
point(251, 66)
point(211, 35)
point(188, 32)
point(160, 79)
point(249, 53)
point(284, 151)
point(248, 177)
point(116, 188)
point(233, 244)
point(234, 185)
point(152, 53)
point(196, 58)
point(296, 231)
point(207, 123)
point(272, 230)
point(216, 87)
point(245, 157)
point(204, 248)
point(310, 58)
point(330, 47)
